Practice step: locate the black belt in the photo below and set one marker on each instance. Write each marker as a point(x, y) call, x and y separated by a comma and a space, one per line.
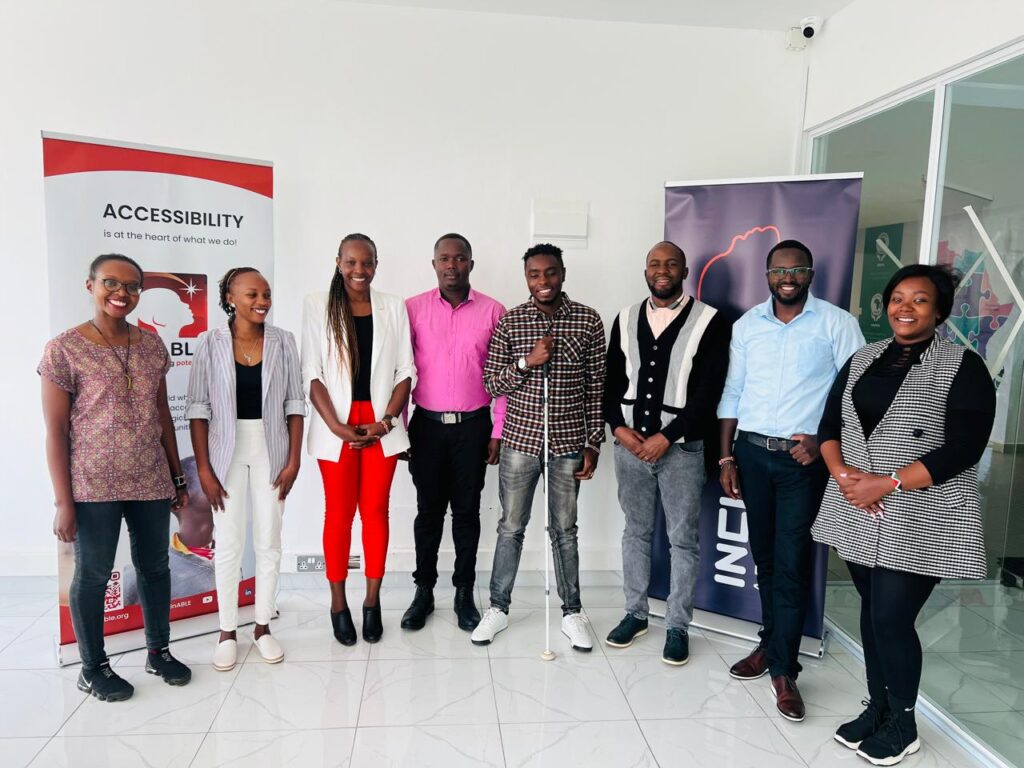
point(769, 443)
point(453, 417)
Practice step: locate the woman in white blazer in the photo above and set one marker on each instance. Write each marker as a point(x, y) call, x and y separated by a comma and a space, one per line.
point(245, 407)
point(357, 365)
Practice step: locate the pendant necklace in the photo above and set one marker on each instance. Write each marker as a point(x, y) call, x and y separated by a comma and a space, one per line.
point(252, 349)
point(128, 356)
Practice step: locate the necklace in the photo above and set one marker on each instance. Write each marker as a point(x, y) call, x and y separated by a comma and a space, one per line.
point(127, 359)
point(252, 347)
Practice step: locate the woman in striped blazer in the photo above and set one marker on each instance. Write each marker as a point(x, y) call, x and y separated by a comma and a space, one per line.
point(245, 409)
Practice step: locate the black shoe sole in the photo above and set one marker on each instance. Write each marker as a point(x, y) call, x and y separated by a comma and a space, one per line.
point(84, 688)
point(170, 680)
point(613, 644)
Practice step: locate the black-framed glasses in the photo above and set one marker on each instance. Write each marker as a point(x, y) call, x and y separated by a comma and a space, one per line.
point(112, 285)
point(779, 272)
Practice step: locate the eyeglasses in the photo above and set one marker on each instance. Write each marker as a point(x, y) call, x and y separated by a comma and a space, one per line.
point(112, 285)
point(778, 272)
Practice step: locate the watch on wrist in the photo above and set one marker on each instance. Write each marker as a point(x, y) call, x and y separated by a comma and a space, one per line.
point(521, 364)
point(180, 482)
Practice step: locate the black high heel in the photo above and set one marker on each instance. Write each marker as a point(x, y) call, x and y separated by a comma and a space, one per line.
point(373, 628)
point(344, 629)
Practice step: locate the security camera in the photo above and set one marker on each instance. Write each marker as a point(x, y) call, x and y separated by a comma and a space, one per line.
point(810, 26)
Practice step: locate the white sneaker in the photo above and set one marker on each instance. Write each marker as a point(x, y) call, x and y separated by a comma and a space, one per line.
point(225, 655)
point(576, 627)
point(270, 649)
point(494, 621)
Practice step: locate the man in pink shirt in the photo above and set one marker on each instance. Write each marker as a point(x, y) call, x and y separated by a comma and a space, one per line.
point(453, 439)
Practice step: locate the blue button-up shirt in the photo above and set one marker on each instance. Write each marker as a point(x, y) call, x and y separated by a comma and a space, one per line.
point(780, 373)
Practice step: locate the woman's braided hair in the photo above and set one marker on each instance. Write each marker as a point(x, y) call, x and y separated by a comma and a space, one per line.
point(339, 311)
point(225, 287)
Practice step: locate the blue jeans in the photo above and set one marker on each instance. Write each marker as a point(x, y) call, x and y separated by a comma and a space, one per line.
point(99, 527)
point(518, 474)
point(678, 479)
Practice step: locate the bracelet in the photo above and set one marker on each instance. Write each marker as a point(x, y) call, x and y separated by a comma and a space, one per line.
point(180, 482)
point(726, 460)
point(388, 426)
point(897, 484)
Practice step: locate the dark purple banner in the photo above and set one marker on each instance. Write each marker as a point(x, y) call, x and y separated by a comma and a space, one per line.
point(726, 229)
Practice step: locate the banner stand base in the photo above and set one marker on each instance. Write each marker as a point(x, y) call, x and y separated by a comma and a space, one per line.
point(813, 647)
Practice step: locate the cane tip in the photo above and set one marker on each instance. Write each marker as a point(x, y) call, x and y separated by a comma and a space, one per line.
point(548, 655)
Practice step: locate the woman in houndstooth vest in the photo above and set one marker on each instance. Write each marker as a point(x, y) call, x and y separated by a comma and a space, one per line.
point(904, 426)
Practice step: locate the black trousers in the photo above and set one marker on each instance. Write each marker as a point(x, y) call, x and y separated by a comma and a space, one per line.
point(782, 498)
point(889, 604)
point(448, 466)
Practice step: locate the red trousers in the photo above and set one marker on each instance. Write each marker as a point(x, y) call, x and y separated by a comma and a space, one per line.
point(361, 477)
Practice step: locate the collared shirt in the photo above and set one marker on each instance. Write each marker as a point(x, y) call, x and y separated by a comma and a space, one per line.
point(660, 318)
point(449, 345)
point(575, 381)
point(780, 373)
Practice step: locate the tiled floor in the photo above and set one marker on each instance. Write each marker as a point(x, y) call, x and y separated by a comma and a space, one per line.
point(431, 698)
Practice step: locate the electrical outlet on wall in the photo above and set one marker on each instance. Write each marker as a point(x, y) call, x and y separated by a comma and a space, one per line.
point(306, 563)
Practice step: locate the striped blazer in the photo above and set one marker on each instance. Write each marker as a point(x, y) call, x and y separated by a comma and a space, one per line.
point(212, 393)
point(934, 531)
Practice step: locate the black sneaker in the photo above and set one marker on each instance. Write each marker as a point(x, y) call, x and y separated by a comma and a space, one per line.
point(677, 647)
point(162, 664)
point(104, 683)
point(896, 739)
point(851, 734)
point(629, 629)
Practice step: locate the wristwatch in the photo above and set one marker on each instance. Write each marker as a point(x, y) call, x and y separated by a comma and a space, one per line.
point(521, 364)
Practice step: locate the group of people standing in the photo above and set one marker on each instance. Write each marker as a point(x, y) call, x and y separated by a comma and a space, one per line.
point(869, 449)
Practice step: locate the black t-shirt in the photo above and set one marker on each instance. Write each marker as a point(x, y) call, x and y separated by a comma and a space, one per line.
point(249, 390)
point(364, 339)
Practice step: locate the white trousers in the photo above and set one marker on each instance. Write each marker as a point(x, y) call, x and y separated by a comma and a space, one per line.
point(248, 479)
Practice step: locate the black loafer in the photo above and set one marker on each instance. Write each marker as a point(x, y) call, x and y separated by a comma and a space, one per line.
point(373, 628)
point(344, 629)
point(422, 606)
point(465, 609)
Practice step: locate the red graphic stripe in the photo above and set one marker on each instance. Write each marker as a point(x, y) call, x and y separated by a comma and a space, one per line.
point(61, 156)
point(732, 246)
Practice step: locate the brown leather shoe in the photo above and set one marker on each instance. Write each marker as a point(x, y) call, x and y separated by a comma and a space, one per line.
point(752, 667)
point(787, 698)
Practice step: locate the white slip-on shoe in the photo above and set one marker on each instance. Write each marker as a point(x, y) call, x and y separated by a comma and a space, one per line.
point(494, 621)
point(576, 627)
point(270, 649)
point(225, 655)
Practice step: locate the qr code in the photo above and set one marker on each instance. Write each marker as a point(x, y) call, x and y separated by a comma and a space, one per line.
point(113, 599)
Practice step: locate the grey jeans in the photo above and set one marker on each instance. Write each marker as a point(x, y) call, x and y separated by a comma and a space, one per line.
point(678, 477)
point(518, 474)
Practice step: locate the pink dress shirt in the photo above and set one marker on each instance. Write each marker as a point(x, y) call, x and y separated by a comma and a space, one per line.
point(450, 348)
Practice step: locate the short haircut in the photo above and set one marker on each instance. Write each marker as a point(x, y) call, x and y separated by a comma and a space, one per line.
point(795, 245)
point(672, 246)
point(945, 280)
point(544, 249)
point(103, 258)
point(455, 236)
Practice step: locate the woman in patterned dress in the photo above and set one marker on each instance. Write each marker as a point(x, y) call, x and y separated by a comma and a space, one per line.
point(113, 455)
point(904, 426)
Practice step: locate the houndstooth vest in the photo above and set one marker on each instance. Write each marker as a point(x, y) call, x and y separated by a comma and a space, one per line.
point(933, 531)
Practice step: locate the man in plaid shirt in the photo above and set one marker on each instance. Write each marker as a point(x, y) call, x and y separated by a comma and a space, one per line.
point(567, 339)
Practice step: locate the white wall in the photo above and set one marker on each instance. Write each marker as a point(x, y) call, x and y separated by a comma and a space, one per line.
point(400, 123)
point(874, 47)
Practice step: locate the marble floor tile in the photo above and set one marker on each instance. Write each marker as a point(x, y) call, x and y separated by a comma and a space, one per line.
point(18, 753)
point(428, 746)
point(293, 695)
point(1001, 672)
point(569, 688)
point(1008, 617)
point(151, 751)
point(720, 742)
point(427, 692)
point(27, 585)
point(11, 627)
point(615, 744)
point(701, 689)
point(604, 620)
point(32, 604)
point(954, 629)
point(46, 699)
point(156, 708)
point(1003, 731)
point(273, 749)
point(34, 648)
point(441, 638)
point(814, 743)
point(955, 690)
point(309, 636)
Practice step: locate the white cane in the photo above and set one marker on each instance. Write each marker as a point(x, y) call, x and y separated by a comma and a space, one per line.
point(548, 654)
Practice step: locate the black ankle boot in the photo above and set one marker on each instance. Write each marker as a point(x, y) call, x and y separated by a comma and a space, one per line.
point(344, 629)
point(465, 609)
point(421, 607)
point(372, 626)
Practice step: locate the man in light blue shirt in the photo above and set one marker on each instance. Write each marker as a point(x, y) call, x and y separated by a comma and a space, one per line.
point(783, 357)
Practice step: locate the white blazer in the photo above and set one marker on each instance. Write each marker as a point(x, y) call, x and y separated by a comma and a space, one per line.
point(391, 362)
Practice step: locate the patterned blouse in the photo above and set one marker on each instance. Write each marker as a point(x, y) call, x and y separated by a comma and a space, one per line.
point(115, 448)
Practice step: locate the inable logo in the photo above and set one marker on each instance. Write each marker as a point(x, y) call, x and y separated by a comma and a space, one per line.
point(173, 305)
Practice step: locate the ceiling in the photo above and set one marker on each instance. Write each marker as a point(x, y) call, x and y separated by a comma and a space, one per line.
point(737, 14)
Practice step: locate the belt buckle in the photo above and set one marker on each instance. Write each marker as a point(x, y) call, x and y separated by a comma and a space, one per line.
point(772, 444)
point(449, 418)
